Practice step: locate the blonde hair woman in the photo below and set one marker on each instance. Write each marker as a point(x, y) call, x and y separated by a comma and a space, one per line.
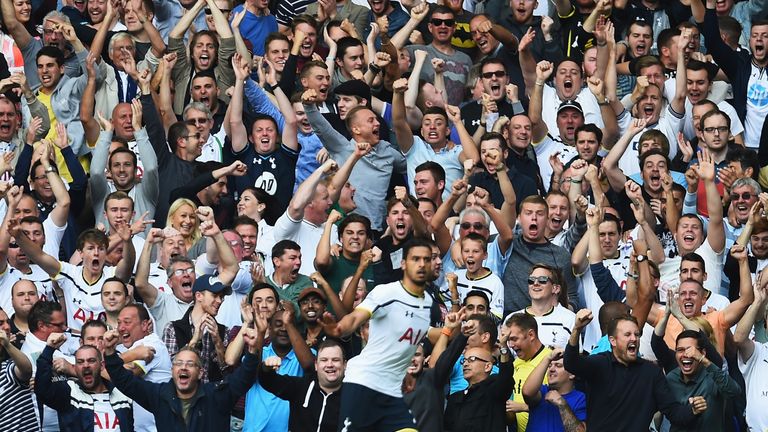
point(182, 217)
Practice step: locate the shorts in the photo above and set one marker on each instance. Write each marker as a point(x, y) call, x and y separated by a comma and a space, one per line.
point(363, 409)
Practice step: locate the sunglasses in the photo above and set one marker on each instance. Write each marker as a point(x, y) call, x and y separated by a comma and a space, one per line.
point(497, 74)
point(13, 245)
point(746, 196)
point(541, 280)
point(477, 226)
point(437, 22)
point(224, 11)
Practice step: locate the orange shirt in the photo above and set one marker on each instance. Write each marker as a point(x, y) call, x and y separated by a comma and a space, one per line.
point(715, 319)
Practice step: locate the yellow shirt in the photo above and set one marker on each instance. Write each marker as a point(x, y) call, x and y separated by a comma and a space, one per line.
point(45, 99)
point(523, 368)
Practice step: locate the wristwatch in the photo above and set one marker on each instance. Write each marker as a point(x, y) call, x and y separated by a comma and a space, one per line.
point(641, 258)
point(50, 169)
point(504, 351)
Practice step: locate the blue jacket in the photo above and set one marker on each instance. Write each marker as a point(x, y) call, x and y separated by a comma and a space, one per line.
point(211, 405)
point(73, 403)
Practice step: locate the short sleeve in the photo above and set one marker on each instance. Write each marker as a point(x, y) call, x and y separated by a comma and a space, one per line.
point(751, 366)
point(374, 300)
point(65, 268)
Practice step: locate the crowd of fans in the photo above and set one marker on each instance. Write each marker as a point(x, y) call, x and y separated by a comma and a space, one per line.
point(365, 215)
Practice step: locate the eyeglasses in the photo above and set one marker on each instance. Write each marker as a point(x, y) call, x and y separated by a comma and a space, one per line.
point(188, 364)
point(497, 74)
point(477, 226)
point(746, 196)
point(437, 22)
point(196, 136)
point(719, 129)
point(541, 280)
point(472, 359)
point(42, 177)
point(181, 272)
point(58, 324)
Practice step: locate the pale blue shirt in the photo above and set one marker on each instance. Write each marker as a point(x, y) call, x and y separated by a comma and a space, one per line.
point(263, 410)
point(422, 152)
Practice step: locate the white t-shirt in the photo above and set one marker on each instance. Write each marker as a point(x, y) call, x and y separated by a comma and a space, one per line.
point(755, 374)
point(490, 284)
point(547, 147)
point(554, 326)
point(713, 266)
point(167, 308)
point(399, 321)
point(550, 102)
point(670, 123)
point(157, 371)
point(53, 236)
point(736, 126)
point(757, 106)
point(83, 300)
point(104, 418)
point(306, 234)
point(40, 278)
point(158, 277)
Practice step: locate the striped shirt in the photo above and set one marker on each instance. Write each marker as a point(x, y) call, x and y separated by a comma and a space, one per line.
point(17, 410)
point(287, 9)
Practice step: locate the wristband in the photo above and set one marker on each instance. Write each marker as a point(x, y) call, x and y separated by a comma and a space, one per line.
point(446, 331)
point(601, 44)
point(374, 67)
point(539, 83)
point(575, 181)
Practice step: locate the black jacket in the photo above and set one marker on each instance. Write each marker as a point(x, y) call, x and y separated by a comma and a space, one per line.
point(211, 405)
point(482, 406)
point(624, 398)
point(426, 401)
point(310, 406)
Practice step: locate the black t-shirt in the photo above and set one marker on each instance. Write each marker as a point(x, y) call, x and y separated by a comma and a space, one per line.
point(274, 172)
point(523, 185)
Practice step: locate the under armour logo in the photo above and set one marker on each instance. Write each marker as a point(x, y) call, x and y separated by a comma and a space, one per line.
point(409, 314)
point(476, 122)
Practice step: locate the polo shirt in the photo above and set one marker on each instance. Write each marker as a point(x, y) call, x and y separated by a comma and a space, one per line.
point(263, 410)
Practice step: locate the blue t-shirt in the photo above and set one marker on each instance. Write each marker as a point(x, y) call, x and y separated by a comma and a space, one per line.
point(545, 417)
point(256, 28)
point(263, 410)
